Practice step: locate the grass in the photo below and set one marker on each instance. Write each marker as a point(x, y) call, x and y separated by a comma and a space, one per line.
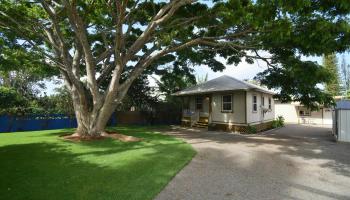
point(40, 165)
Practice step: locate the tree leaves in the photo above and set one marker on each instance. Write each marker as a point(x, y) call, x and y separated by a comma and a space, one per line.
point(298, 81)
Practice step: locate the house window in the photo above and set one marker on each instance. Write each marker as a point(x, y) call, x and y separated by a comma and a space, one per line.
point(199, 103)
point(304, 113)
point(262, 101)
point(226, 103)
point(255, 103)
point(270, 103)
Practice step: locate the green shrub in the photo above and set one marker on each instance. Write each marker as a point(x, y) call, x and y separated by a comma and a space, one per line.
point(251, 129)
point(279, 122)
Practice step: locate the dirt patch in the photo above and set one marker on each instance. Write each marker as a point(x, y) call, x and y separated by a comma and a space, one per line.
point(121, 137)
point(117, 136)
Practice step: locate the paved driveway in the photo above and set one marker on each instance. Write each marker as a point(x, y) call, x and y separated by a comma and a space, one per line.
point(294, 162)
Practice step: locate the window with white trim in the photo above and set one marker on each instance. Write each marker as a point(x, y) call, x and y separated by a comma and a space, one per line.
point(270, 103)
point(255, 103)
point(226, 103)
point(262, 101)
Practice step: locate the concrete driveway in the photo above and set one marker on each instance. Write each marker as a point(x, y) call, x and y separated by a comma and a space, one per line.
point(294, 162)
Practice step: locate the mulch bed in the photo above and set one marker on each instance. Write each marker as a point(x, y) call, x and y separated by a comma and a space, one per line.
point(114, 135)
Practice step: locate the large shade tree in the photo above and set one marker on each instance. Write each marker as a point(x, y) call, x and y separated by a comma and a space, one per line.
point(93, 41)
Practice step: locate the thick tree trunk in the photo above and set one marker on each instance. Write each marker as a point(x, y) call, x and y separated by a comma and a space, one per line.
point(92, 124)
point(88, 117)
point(92, 119)
point(87, 126)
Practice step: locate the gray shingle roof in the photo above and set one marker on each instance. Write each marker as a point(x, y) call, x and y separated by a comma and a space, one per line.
point(220, 84)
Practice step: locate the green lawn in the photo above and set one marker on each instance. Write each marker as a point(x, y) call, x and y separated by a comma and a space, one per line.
point(40, 165)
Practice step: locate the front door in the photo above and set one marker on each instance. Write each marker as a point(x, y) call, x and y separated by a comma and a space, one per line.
point(205, 109)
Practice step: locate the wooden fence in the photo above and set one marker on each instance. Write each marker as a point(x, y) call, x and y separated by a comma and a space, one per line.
point(148, 118)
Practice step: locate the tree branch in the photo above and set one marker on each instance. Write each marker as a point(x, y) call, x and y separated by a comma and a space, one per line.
point(162, 16)
point(81, 33)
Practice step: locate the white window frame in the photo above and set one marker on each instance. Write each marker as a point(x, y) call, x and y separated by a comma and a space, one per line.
point(270, 103)
point(222, 103)
point(255, 104)
point(262, 100)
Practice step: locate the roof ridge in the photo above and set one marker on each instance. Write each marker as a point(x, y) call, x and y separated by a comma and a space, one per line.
point(222, 83)
point(250, 84)
point(200, 83)
point(244, 82)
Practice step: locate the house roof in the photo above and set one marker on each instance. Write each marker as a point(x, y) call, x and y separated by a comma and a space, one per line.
point(223, 83)
point(343, 105)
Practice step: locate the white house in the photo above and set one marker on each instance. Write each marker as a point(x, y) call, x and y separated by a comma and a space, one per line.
point(296, 113)
point(229, 104)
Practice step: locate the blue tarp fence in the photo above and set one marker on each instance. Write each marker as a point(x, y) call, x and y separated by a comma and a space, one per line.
point(10, 123)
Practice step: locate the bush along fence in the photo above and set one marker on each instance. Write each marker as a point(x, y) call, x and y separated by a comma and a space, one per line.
point(11, 123)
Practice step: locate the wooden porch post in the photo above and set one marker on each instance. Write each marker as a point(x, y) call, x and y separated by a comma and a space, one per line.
point(210, 107)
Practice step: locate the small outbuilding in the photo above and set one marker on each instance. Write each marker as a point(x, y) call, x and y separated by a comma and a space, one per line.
point(341, 121)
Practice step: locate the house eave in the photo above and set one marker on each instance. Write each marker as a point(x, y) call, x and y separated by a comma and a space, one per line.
point(206, 92)
point(219, 91)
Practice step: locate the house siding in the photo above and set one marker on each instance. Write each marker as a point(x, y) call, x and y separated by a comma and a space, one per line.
point(256, 117)
point(237, 116)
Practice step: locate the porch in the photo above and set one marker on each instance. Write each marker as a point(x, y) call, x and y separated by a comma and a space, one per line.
point(196, 111)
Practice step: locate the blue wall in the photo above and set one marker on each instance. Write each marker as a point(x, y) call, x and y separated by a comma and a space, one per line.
point(40, 122)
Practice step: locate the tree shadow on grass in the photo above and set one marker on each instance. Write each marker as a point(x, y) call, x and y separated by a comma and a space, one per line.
point(133, 130)
point(53, 171)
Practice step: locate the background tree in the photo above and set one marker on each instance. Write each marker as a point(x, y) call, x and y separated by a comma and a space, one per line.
point(140, 96)
point(90, 42)
point(345, 75)
point(21, 69)
point(330, 62)
point(202, 79)
point(173, 80)
point(11, 101)
point(58, 103)
point(296, 74)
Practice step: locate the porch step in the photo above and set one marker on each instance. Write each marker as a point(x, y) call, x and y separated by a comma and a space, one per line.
point(201, 124)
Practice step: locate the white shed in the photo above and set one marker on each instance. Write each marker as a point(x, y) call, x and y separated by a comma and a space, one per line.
point(341, 121)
